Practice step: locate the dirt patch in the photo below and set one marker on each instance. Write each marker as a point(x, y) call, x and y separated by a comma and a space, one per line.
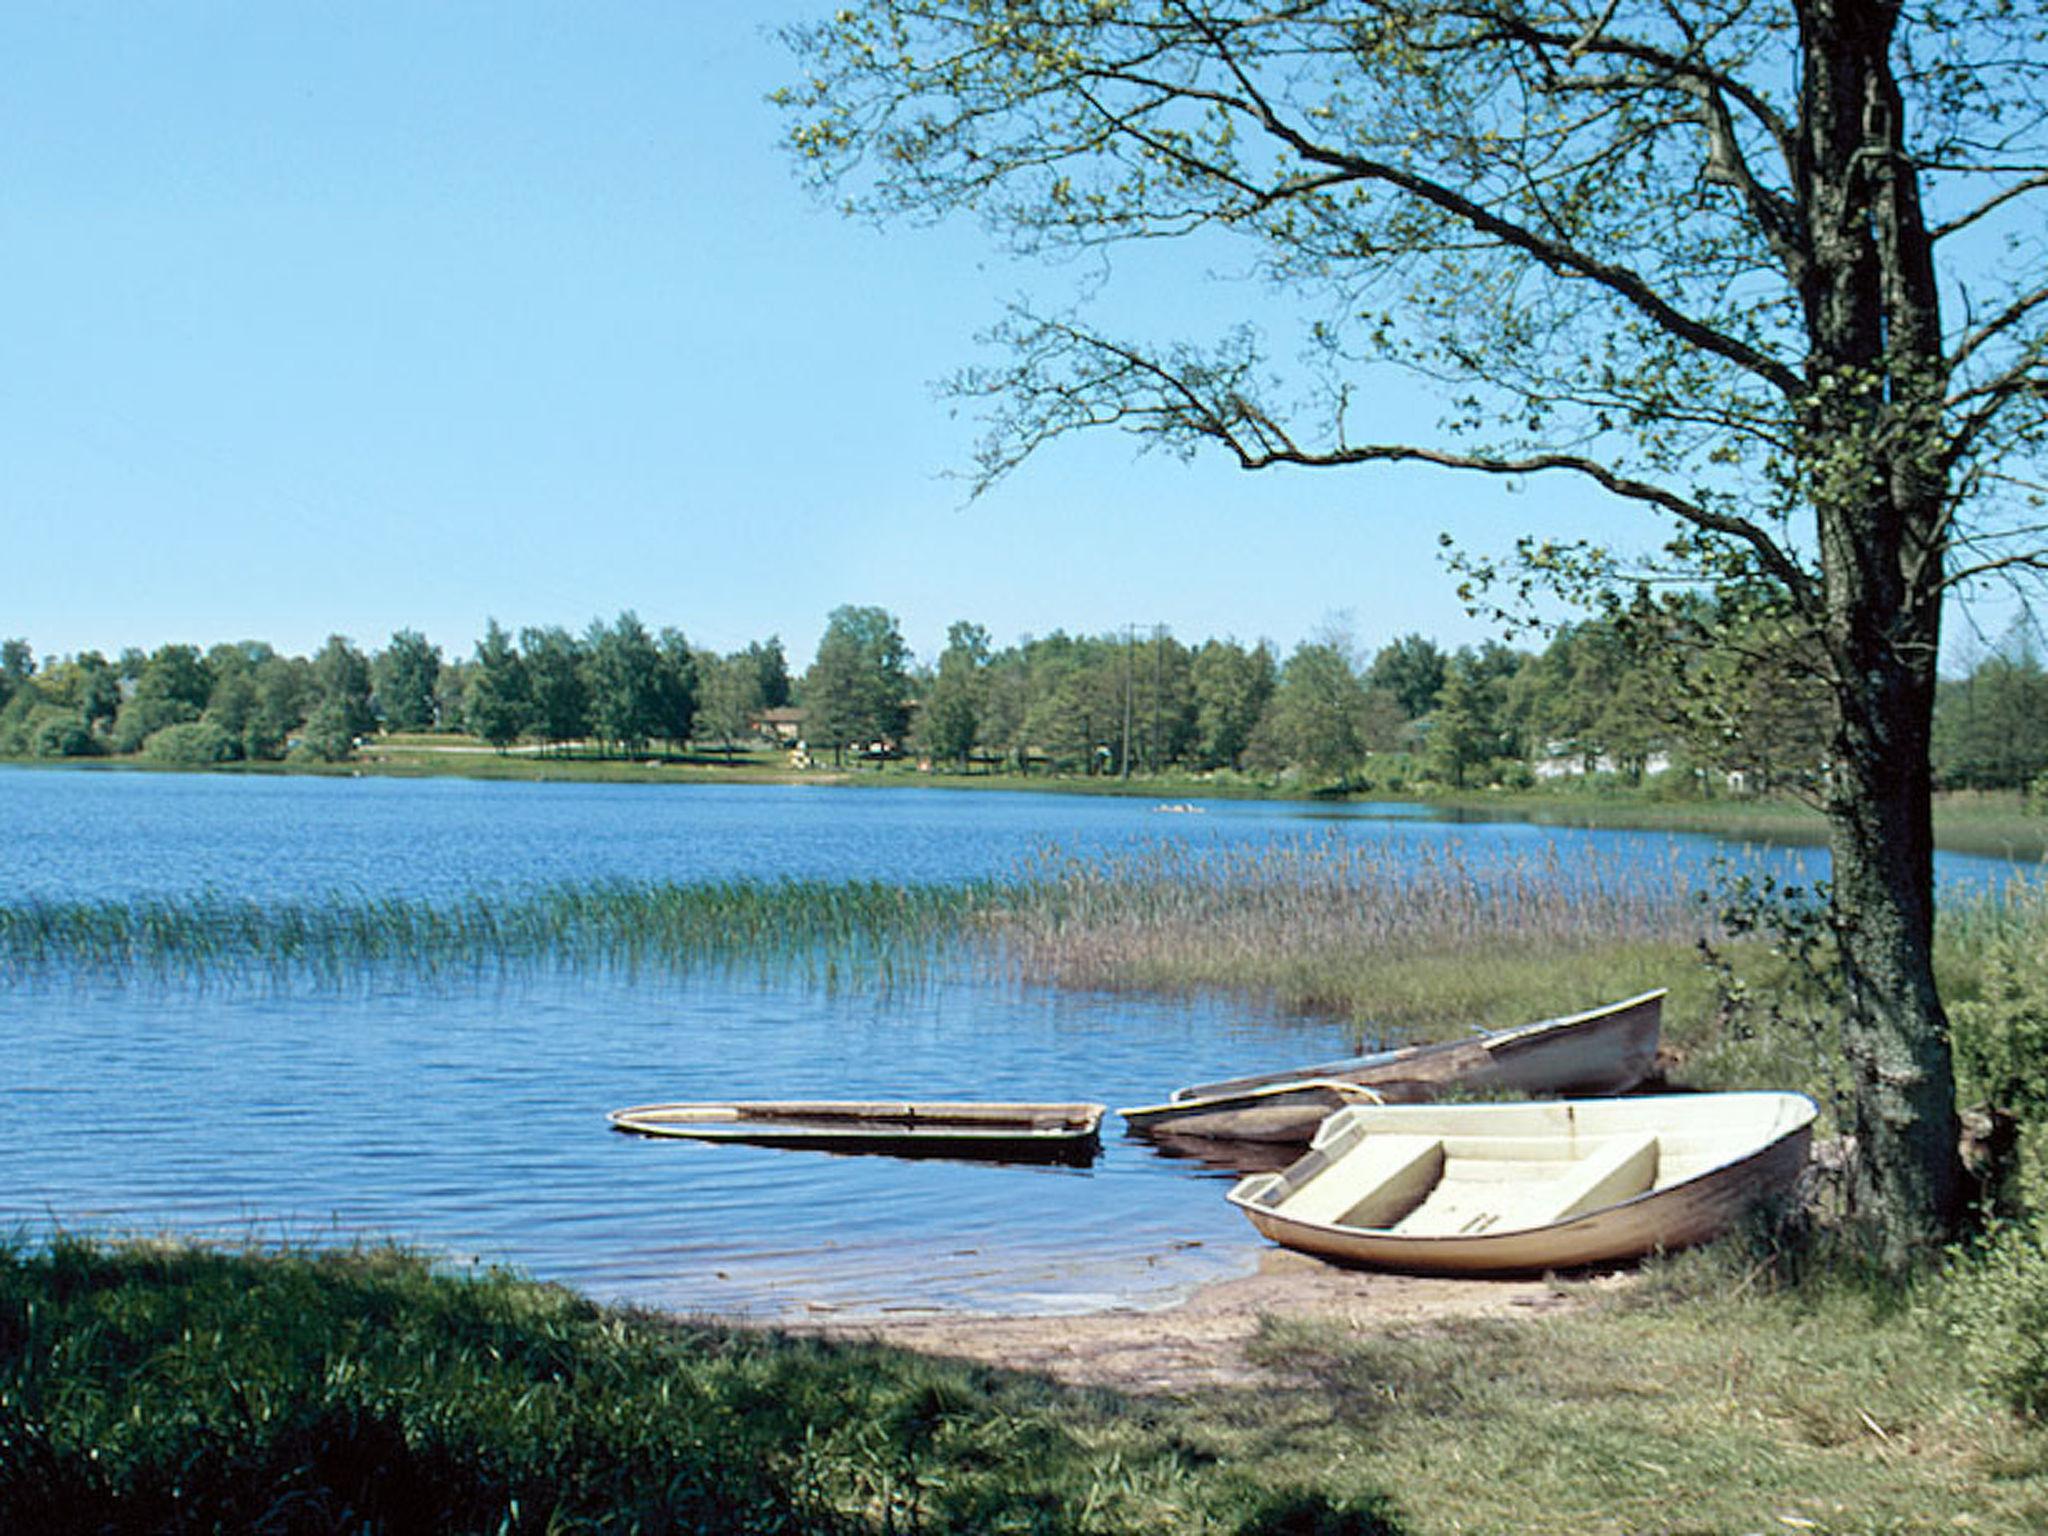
point(1200, 1342)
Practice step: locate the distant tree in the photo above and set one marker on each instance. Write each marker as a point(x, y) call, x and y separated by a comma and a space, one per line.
point(341, 714)
point(1159, 684)
point(772, 669)
point(1412, 670)
point(1316, 720)
point(679, 690)
point(231, 706)
point(554, 671)
point(86, 683)
point(403, 677)
point(1592, 695)
point(173, 688)
point(622, 671)
point(729, 698)
point(1231, 688)
point(284, 694)
point(949, 725)
point(499, 702)
point(857, 685)
point(1991, 727)
point(17, 666)
point(341, 674)
point(1463, 730)
point(1078, 702)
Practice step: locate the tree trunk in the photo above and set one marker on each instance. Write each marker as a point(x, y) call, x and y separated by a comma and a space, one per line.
point(1906, 1179)
point(1875, 471)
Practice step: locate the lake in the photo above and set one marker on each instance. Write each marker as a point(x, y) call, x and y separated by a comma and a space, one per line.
point(465, 1114)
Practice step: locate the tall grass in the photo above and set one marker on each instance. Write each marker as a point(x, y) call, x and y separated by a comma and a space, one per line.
point(856, 929)
point(1401, 935)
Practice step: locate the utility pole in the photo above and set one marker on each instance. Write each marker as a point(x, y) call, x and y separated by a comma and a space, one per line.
point(1125, 760)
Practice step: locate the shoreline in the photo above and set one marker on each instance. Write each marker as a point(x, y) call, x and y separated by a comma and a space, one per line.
point(1968, 822)
point(1203, 1340)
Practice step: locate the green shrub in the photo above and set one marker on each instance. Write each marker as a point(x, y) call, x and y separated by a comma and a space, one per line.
point(2001, 1035)
point(194, 744)
point(52, 731)
point(1994, 1310)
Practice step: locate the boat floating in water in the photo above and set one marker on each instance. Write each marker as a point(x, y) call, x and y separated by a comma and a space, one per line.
point(1473, 1189)
point(1023, 1132)
point(1603, 1050)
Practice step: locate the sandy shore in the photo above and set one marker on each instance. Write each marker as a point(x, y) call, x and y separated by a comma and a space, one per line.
point(1201, 1341)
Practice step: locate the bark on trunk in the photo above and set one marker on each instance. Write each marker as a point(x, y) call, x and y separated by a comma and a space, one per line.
point(1906, 1179)
point(1874, 424)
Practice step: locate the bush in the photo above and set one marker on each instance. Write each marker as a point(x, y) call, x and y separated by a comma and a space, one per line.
point(194, 744)
point(51, 731)
point(1994, 1307)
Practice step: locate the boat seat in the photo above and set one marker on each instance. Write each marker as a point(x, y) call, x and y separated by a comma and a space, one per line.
point(1618, 1169)
point(1621, 1169)
point(1374, 1184)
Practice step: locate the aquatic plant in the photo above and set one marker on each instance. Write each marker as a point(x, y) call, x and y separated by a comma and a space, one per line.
point(1395, 933)
point(827, 930)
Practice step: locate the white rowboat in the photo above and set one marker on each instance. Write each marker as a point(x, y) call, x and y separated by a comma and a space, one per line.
point(1522, 1188)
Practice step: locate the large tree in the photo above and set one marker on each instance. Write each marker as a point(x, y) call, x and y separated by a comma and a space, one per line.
point(1769, 268)
point(859, 683)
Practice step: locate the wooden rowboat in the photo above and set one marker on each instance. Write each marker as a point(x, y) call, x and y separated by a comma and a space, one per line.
point(1520, 1188)
point(1604, 1050)
point(998, 1132)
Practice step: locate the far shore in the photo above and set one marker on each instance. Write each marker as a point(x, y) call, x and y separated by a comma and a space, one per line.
point(1994, 824)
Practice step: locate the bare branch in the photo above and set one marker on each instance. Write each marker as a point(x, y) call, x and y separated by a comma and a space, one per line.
point(1990, 205)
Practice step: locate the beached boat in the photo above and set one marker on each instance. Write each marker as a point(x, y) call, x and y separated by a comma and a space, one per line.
point(1522, 1188)
point(998, 1132)
point(1604, 1050)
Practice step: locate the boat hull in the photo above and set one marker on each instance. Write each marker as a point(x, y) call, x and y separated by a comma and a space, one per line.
point(1602, 1051)
point(1006, 1132)
point(1712, 1176)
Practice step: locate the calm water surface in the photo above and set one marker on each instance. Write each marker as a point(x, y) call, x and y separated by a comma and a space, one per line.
point(467, 1115)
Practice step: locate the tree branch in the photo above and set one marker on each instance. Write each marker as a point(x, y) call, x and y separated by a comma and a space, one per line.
point(1557, 255)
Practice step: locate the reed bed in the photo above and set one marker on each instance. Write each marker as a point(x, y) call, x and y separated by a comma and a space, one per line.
point(863, 930)
point(1404, 934)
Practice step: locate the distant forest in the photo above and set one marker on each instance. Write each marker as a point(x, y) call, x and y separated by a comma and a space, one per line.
point(1597, 698)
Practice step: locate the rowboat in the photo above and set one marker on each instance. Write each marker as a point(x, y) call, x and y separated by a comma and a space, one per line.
point(1604, 1050)
point(1469, 1189)
point(998, 1132)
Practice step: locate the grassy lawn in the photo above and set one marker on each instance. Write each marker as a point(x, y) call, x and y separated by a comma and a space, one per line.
point(157, 1389)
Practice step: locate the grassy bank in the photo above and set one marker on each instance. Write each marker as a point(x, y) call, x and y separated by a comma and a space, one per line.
point(155, 1389)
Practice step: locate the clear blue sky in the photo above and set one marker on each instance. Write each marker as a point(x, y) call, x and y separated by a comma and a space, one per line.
point(354, 317)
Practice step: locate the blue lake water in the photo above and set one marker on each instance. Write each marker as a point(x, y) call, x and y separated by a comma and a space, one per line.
point(466, 1114)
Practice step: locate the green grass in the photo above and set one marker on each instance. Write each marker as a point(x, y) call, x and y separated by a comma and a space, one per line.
point(171, 1389)
point(1703, 1400)
point(154, 1388)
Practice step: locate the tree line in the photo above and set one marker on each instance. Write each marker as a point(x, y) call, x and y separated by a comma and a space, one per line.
point(1597, 699)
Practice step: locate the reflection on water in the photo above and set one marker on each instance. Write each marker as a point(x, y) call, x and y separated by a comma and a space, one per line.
point(468, 1118)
